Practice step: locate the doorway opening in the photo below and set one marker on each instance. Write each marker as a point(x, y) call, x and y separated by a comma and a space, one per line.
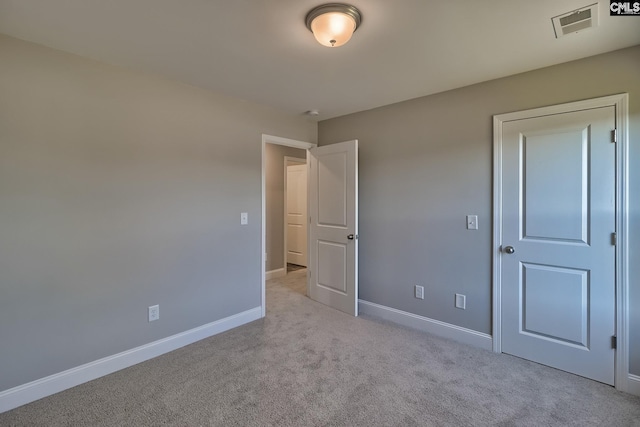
point(277, 152)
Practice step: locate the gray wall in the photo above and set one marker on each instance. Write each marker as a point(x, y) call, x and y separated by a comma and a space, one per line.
point(274, 171)
point(119, 190)
point(426, 163)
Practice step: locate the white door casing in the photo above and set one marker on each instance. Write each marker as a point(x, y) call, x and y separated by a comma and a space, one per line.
point(559, 194)
point(333, 228)
point(296, 214)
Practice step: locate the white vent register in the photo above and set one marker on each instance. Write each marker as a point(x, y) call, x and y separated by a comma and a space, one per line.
point(575, 21)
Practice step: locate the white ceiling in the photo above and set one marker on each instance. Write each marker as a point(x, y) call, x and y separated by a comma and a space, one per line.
point(260, 50)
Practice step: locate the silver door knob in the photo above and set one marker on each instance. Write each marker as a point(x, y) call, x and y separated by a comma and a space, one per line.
point(509, 249)
point(350, 237)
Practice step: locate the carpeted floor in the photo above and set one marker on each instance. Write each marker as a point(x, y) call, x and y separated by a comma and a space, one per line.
point(308, 365)
point(295, 281)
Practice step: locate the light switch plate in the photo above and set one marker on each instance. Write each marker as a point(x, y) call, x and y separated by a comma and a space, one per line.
point(461, 301)
point(472, 222)
point(244, 218)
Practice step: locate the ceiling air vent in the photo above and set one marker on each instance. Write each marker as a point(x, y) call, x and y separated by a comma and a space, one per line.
point(576, 20)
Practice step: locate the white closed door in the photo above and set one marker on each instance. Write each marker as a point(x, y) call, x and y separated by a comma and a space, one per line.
point(557, 250)
point(333, 228)
point(296, 214)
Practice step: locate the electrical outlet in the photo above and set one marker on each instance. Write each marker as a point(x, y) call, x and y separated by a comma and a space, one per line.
point(154, 312)
point(461, 301)
point(419, 292)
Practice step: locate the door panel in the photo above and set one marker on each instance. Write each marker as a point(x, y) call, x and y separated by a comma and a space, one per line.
point(296, 213)
point(555, 303)
point(333, 211)
point(555, 185)
point(334, 254)
point(558, 213)
point(332, 190)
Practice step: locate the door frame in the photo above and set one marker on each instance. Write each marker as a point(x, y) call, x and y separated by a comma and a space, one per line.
point(290, 161)
point(621, 104)
point(277, 140)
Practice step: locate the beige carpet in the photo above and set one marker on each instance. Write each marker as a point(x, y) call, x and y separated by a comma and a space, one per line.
point(308, 365)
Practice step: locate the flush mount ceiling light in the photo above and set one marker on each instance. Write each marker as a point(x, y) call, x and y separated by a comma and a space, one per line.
point(333, 24)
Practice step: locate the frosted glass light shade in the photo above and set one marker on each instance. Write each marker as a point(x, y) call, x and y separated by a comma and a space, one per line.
point(333, 29)
point(333, 24)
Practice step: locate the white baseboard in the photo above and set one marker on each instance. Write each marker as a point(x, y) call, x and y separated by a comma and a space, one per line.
point(436, 327)
point(23, 394)
point(633, 384)
point(274, 274)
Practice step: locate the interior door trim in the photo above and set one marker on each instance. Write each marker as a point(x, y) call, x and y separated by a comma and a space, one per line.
point(621, 104)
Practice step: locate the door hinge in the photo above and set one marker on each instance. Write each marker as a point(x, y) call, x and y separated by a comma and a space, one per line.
point(614, 135)
point(614, 239)
point(614, 342)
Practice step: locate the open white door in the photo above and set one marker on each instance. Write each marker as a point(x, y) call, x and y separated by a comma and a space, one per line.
point(333, 228)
